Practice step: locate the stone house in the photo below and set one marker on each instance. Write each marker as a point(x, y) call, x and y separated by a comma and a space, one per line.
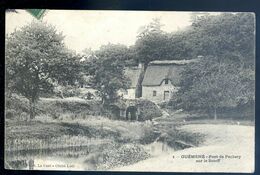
point(160, 82)
point(132, 73)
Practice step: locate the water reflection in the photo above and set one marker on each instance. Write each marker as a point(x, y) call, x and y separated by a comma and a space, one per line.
point(90, 157)
point(59, 158)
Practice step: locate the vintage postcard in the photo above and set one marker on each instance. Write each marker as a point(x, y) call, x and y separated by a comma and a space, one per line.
point(152, 91)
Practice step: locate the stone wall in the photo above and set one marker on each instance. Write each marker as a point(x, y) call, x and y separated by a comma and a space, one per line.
point(156, 93)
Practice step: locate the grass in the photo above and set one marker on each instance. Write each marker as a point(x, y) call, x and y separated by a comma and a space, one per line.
point(73, 127)
point(92, 127)
point(182, 118)
point(65, 126)
point(221, 121)
point(117, 142)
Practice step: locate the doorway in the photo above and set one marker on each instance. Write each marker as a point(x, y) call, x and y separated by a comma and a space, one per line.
point(166, 95)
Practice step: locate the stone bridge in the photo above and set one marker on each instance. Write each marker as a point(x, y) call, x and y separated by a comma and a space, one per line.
point(126, 109)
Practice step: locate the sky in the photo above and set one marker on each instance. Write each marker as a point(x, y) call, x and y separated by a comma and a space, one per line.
point(91, 29)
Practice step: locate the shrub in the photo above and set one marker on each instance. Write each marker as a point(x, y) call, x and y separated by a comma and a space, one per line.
point(122, 155)
point(10, 114)
point(163, 104)
point(15, 106)
point(76, 108)
point(17, 164)
point(148, 110)
point(149, 135)
point(70, 91)
point(180, 139)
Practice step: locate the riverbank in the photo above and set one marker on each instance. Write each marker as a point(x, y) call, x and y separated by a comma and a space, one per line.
point(234, 142)
point(94, 142)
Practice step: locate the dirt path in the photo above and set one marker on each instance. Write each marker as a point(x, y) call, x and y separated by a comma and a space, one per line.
point(234, 142)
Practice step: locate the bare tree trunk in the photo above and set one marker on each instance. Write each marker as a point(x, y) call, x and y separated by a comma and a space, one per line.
point(32, 109)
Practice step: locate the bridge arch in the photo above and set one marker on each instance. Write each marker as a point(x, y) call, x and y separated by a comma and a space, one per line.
point(131, 113)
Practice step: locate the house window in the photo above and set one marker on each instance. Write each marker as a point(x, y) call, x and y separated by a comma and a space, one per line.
point(166, 81)
point(154, 93)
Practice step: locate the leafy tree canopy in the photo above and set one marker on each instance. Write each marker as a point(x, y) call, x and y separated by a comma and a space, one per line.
point(36, 57)
point(107, 71)
point(226, 75)
point(150, 42)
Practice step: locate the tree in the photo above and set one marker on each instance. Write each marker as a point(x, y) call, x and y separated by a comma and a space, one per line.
point(107, 71)
point(214, 35)
point(36, 57)
point(225, 33)
point(225, 77)
point(150, 42)
point(149, 46)
point(212, 84)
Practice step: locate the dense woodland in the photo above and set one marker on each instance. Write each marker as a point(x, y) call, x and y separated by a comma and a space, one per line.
point(37, 61)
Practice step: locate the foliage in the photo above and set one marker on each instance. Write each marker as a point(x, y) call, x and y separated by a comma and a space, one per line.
point(179, 139)
point(150, 42)
point(35, 58)
point(16, 108)
point(224, 34)
point(123, 155)
point(70, 91)
point(215, 35)
point(209, 34)
point(212, 84)
point(107, 71)
point(149, 46)
point(225, 77)
point(148, 110)
point(66, 109)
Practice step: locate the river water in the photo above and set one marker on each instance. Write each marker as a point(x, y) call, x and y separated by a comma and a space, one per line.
point(71, 158)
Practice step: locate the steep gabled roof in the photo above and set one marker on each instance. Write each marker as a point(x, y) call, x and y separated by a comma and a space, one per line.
point(155, 74)
point(157, 71)
point(133, 74)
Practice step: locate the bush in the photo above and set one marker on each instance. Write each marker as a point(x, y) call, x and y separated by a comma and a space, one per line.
point(148, 110)
point(149, 135)
point(122, 155)
point(70, 91)
point(180, 139)
point(163, 104)
point(76, 108)
point(17, 164)
point(10, 114)
point(16, 107)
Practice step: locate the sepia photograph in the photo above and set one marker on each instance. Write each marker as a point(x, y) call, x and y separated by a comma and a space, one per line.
point(140, 91)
